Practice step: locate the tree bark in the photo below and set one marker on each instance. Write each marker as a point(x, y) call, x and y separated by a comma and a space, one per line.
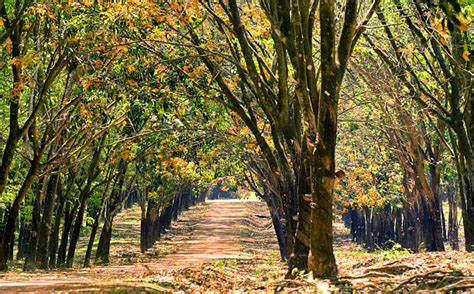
point(30, 261)
point(68, 220)
point(9, 232)
point(54, 238)
point(103, 248)
point(45, 228)
point(84, 195)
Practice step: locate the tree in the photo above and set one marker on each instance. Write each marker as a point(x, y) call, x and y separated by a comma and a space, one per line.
point(282, 88)
point(441, 48)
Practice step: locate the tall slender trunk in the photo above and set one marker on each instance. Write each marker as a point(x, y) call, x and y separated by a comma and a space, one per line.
point(9, 232)
point(143, 225)
point(69, 214)
point(76, 231)
point(95, 226)
point(118, 199)
point(277, 215)
point(14, 131)
point(84, 195)
point(45, 227)
point(398, 226)
point(54, 238)
point(468, 210)
point(30, 261)
point(443, 223)
point(23, 238)
point(369, 225)
point(278, 227)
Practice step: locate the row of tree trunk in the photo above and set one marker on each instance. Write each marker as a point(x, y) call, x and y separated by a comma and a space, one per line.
point(410, 226)
point(48, 236)
point(158, 213)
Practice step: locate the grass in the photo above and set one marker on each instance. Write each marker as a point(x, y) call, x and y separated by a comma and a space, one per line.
point(120, 235)
point(228, 262)
point(244, 233)
point(382, 254)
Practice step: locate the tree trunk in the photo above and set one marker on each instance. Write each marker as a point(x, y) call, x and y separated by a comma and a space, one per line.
point(278, 227)
point(453, 237)
point(176, 208)
point(54, 238)
point(150, 227)
point(169, 214)
point(118, 199)
point(95, 226)
point(468, 209)
point(76, 231)
point(9, 232)
point(398, 226)
point(103, 248)
point(23, 239)
point(443, 223)
point(30, 260)
point(85, 194)
point(68, 220)
point(302, 238)
point(45, 228)
point(321, 260)
point(369, 231)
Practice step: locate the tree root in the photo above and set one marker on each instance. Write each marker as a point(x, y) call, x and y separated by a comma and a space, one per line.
point(391, 268)
point(436, 280)
point(368, 275)
point(464, 284)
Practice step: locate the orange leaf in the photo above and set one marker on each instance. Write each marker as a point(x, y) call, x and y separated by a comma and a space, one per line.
point(465, 55)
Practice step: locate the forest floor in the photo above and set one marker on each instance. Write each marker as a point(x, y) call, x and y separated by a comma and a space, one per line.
point(224, 245)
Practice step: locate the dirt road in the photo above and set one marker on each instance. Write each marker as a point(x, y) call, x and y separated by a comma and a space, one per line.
point(210, 232)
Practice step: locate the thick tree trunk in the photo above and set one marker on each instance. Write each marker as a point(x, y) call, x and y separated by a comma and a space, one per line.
point(118, 198)
point(301, 243)
point(103, 248)
point(361, 231)
point(169, 215)
point(187, 194)
point(150, 226)
point(434, 207)
point(321, 260)
point(143, 229)
point(302, 238)
point(409, 234)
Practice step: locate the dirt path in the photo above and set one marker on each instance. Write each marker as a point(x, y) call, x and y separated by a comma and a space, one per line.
point(213, 231)
point(216, 236)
